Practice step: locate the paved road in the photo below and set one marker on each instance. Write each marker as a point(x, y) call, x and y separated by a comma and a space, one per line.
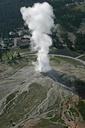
point(76, 59)
point(80, 56)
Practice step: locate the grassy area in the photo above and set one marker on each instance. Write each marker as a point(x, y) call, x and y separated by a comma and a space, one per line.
point(50, 114)
point(62, 60)
point(46, 123)
point(72, 111)
point(82, 58)
point(80, 7)
point(57, 119)
point(17, 58)
point(14, 54)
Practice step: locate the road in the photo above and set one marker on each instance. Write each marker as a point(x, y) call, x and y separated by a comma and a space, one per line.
point(69, 57)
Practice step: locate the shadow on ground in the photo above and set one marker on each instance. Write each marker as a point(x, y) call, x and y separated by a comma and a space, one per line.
point(70, 83)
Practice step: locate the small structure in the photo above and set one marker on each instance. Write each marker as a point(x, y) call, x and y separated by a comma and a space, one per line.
point(22, 42)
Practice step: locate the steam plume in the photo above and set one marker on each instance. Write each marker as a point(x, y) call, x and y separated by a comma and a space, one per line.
point(39, 20)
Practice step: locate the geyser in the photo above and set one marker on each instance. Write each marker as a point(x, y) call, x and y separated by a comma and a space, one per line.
point(40, 21)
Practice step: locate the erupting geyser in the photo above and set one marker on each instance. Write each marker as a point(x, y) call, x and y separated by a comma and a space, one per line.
point(40, 21)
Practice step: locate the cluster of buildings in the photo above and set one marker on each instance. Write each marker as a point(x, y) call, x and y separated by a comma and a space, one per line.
point(19, 38)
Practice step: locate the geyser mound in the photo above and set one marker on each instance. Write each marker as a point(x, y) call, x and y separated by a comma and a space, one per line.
point(40, 21)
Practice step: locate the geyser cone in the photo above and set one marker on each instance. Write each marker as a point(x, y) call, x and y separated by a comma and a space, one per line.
point(42, 63)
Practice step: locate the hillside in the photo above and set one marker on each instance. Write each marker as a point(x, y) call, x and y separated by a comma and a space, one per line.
point(10, 17)
point(69, 21)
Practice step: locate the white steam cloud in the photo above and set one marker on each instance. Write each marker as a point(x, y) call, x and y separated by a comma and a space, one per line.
point(39, 20)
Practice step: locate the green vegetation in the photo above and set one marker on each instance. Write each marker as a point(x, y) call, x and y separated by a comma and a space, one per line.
point(82, 58)
point(73, 112)
point(80, 42)
point(46, 123)
point(10, 56)
point(80, 7)
point(57, 119)
point(67, 14)
point(11, 97)
point(17, 57)
point(81, 108)
point(60, 59)
point(57, 60)
point(54, 119)
point(50, 114)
